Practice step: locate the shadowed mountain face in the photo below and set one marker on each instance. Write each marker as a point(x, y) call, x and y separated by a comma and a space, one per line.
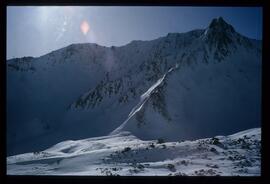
point(182, 86)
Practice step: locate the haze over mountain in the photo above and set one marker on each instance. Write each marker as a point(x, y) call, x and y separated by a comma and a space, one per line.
point(191, 85)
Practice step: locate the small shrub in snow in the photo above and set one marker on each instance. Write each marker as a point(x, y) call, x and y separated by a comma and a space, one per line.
point(245, 145)
point(126, 149)
point(171, 167)
point(36, 153)
point(163, 146)
point(244, 163)
point(213, 150)
point(236, 157)
point(152, 145)
point(215, 141)
point(45, 154)
point(241, 141)
point(108, 173)
point(184, 162)
point(179, 174)
point(244, 170)
point(138, 166)
point(116, 169)
point(203, 172)
point(134, 170)
point(160, 141)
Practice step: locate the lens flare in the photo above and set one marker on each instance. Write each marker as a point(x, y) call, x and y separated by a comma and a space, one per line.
point(85, 27)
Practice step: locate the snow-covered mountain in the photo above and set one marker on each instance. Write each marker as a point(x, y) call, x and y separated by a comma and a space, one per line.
point(209, 91)
point(234, 155)
point(182, 86)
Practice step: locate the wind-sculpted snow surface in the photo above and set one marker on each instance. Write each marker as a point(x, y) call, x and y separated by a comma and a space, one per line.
point(182, 86)
point(125, 155)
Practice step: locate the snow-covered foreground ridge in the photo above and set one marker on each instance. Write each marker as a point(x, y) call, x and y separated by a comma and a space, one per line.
point(125, 155)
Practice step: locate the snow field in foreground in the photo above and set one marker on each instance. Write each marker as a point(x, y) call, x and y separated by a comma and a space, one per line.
point(125, 155)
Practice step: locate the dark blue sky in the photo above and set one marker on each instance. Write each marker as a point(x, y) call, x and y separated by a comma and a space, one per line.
point(35, 31)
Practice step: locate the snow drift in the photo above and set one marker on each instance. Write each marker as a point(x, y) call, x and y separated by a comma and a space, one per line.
point(125, 155)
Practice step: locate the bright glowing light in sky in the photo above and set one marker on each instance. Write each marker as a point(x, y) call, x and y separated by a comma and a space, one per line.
point(53, 27)
point(85, 27)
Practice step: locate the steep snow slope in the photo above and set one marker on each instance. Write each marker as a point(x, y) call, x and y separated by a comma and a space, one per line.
point(196, 99)
point(125, 155)
point(38, 96)
point(86, 90)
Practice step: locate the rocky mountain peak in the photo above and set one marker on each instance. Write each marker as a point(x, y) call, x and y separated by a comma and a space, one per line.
point(220, 25)
point(221, 38)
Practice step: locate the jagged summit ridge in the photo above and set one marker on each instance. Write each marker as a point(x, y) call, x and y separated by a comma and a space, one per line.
point(220, 25)
point(219, 34)
point(222, 39)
